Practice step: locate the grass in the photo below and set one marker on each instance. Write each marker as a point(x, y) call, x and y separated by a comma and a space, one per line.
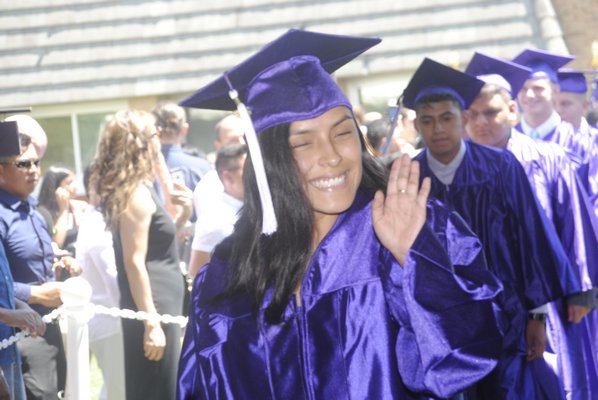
point(95, 379)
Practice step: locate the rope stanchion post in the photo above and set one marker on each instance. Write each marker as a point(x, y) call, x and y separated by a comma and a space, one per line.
point(75, 295)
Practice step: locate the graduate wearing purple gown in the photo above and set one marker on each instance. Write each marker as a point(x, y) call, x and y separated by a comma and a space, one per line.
point(553, 179)
point(572, 105)
point(366, 329)
point(490, 190)
point(536, 96)
point(554, 182)
point(374, 312)
point(540, 119)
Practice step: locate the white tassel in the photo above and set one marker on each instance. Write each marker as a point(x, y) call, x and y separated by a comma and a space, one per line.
point(269, 224)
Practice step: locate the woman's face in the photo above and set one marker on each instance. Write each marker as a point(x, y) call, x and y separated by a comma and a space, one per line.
point(327, 152)
point(69, 183)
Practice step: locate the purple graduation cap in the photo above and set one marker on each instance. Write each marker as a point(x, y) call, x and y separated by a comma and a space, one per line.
point(572, 80)
point(9, 139)
point(502, 73)
point(432, 77)
point(542, 63)
point(287, 80)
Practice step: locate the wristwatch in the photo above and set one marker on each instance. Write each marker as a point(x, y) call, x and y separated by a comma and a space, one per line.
point(537, 316)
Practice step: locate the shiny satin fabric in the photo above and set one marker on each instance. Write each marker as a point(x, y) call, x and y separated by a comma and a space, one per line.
point(551, 174)
point(582, 142)
point(491, 192)
point(554, 181)
point(366, 328)
point(585, 144)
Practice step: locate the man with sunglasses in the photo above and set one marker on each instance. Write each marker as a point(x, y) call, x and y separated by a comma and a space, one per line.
point(14, 313)
point(28, 245)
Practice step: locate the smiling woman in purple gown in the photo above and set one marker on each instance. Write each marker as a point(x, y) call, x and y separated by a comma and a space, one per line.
point(365, 290)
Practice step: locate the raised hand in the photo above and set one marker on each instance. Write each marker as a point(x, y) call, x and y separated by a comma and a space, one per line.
point(182, 199)
point(399, 216)
point(63, 197)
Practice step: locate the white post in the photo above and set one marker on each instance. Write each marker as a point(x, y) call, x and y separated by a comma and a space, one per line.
point(75, 295)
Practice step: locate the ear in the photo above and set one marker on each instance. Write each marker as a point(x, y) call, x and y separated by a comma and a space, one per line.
point(416, 123)
point(513, 114)
point(185, 130)
point(556, 89)
point(226, 180)
point(464, 118)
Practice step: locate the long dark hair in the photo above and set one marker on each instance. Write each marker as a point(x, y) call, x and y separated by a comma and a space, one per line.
point(279, 261)
point(47, 192)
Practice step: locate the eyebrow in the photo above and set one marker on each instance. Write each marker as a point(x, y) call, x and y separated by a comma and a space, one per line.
point(340, 121)
point(440, 115)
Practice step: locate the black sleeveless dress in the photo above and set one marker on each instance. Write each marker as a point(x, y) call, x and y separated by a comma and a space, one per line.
point(147, 379)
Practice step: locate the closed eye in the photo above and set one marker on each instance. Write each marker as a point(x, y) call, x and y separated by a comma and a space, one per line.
point(299, 145)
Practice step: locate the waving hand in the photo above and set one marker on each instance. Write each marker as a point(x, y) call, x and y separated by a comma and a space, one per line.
point(399, 216)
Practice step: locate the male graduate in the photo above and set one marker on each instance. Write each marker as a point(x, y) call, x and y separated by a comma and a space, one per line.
point(490, 190)
point(553, 180)
point(537, 100)
point(571, 101)
point(537, 96)
point(572, 105)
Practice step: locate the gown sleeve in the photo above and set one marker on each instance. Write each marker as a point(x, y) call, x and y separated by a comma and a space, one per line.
point(443, 300)
point(576, 224)
point(544, 272)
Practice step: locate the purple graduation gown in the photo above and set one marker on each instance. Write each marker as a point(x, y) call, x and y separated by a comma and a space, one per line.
point(367, 327)
point(553, 180)
point(491, 192)
point(582, 142)
point(585, 144)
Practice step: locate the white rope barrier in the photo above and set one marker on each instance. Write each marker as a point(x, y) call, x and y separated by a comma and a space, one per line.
point(77, 310)
point(95, 309)
point(141, 315)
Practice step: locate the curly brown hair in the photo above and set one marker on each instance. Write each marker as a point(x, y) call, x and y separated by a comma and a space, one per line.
point(123, 161)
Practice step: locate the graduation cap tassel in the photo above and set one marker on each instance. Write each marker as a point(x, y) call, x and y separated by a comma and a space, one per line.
point(269, 224)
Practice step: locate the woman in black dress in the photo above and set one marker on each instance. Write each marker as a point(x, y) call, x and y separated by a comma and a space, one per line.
point(145, 248)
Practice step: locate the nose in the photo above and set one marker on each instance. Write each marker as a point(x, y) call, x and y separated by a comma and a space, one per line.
point(478, 118)
point(329, 154)
point(529, 92)
point(438, 127)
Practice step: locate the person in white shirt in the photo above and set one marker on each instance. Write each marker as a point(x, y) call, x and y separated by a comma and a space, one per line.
point(96, 255)
point(217, 200)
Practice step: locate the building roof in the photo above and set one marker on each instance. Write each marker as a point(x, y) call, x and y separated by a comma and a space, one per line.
point(90, 50)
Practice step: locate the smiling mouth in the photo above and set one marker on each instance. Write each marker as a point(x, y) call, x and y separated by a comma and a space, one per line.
point(330, 183)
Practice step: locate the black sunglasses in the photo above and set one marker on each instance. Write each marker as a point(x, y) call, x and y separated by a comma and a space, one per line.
point(23, 164)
